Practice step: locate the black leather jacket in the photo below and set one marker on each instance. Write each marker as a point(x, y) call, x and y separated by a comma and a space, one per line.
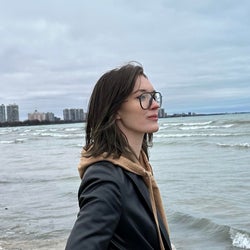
point(115, 212)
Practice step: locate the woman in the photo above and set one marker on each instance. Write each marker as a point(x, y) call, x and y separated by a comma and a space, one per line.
point(120, 204)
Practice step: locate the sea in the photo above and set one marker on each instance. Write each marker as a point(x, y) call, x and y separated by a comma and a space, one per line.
point(201, 164)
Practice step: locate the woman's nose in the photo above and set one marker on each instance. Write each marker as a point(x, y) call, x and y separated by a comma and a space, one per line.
point(155, 104)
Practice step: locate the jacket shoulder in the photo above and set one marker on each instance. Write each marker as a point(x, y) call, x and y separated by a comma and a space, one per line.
point(103, 168)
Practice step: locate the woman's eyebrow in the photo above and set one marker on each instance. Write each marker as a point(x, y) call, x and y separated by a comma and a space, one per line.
point(142, 91)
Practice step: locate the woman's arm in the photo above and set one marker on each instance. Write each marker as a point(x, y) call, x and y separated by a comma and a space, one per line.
point(100, 209)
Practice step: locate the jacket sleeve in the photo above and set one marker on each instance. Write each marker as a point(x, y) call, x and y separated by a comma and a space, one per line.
point(100, 209)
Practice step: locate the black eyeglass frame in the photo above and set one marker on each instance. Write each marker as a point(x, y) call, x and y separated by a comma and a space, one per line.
point(153, 97)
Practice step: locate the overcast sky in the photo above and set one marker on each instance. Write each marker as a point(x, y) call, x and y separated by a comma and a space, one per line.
point(197, 53)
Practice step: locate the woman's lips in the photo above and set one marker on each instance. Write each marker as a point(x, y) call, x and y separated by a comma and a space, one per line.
point(153, 117)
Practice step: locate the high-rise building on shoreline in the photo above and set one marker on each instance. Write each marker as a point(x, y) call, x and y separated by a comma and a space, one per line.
point(41, 116)
point(12, 113)
point(162, 113)
point(2, 113)
point(73, 115)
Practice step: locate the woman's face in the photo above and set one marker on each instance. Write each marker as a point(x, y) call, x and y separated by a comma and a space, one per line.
point(131, 118)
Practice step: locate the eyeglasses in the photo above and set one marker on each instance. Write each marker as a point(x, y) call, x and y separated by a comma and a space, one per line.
point(146, 99)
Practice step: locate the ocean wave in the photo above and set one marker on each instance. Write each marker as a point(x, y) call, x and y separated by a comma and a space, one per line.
point(61, 135)
point(235, 145)
point(41, 130)
point(6, 142)
point(192, 135)
point(13, 141)
point(239, 238)
point(73, 129)
point(238, 122)
point(206, 127)
point(187, 124)
point(5, 182)
point(203, 224)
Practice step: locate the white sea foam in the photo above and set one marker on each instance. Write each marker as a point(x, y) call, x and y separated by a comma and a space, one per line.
point(12, 141)
point(206, 127)
point(241, 240)
point(191, 135)
point(235, 145)
point(53, 129)
point(41, 130)
point(27, 130)
point(6, 142)
point(72, 129)
point(188, 124)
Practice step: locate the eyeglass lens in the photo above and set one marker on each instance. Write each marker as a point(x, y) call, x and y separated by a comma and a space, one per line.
point(147, 99)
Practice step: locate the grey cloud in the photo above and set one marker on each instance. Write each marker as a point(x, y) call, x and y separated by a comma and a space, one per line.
point(54, 50)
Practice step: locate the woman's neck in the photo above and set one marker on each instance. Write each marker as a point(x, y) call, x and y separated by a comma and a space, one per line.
point(136, 145)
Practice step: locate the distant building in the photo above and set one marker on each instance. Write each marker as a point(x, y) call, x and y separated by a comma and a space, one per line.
point(36, 116)
point(2, 113)
point(49, 116)
point(73, 115)
point(12, 113)
point(79, 115)
point(66, 116)
point(162, 113)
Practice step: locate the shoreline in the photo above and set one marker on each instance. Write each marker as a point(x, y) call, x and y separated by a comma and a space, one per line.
point(35, 123)
point(206, 114)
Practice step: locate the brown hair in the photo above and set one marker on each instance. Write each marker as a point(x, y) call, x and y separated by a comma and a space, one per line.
point(102, 133)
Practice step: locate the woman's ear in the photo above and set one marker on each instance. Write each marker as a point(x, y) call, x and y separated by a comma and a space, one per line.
point(117, 116)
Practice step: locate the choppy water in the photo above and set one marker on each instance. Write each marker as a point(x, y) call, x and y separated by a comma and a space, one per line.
point(202, 165)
